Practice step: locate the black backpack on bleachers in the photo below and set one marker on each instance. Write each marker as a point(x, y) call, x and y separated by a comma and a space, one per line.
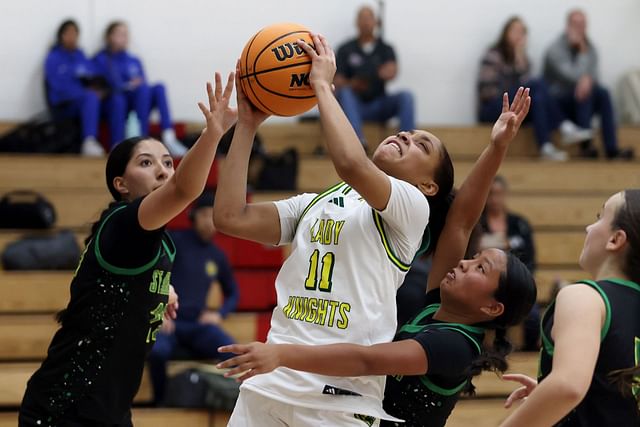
point(43, 135)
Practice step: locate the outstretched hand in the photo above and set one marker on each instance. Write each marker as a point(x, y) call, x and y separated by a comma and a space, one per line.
point(508, 124)
point(248, 114)
point(171, 312)
point(253, 359)
point(323, 60)
point(528, 385)
point(219, 116)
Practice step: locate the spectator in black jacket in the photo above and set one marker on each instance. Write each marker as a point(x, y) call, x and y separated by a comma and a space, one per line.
point(511, 232)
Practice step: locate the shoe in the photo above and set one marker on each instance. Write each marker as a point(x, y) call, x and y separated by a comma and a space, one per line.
point(588, 153)
point(318, 151)
point(623, 154)
point(91, 148)
point(572, 133)
point(549, 152)
point(176, 149)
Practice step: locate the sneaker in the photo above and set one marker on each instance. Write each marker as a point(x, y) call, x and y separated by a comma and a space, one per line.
point(572, 133)
point(549, 152)
point(623, 154)
point(176, 149)
point(91, 148)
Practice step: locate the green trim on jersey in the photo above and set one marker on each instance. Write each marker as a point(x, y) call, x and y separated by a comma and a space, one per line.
point(424, 245)
point(171, 252)
point(118, 270)
point(414, 327)
point(377, 219)
point(440, 390)
point(546, 341)
point(317, 199)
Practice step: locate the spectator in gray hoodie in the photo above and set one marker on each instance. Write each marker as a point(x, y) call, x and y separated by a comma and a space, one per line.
point(571, 69)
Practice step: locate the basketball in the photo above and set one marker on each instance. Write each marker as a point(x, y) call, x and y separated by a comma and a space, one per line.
point(274, 70)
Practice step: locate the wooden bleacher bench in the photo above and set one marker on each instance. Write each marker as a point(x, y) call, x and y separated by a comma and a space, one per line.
point(479, 413)
point(45, 173)
point(154, 417)
point(80, 208)
point(35, 292)
point(543, 211)
point(558, 198)
point(16, 374)
point(27, 337)
point(461, 141)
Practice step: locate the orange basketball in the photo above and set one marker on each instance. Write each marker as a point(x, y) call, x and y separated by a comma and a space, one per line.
point(274, 70)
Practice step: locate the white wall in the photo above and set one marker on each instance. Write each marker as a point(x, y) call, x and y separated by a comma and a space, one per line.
point(182, 42)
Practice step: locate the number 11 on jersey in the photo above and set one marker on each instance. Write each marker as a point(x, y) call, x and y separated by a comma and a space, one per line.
point(326, 271)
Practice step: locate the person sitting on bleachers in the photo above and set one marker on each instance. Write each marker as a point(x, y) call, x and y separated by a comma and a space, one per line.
point(571, 68)
point(197, 265)
point(71, 88)
point(364, 65)
point(511, 232)
point(504, 68)
point(130, 90)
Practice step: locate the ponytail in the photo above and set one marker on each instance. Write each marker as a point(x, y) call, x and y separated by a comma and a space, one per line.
point(492, 360)
point(60, 315)
point(96, 225)
point(627, 219)
point(438, 208)
point(626, 380)
point(439, 203)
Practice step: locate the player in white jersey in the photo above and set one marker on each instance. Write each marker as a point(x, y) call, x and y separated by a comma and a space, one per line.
point(351, 247)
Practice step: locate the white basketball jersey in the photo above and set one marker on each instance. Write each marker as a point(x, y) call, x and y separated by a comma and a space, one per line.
point(339, 286)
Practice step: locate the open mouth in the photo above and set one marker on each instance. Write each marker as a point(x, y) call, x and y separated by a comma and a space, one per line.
point(396, 145)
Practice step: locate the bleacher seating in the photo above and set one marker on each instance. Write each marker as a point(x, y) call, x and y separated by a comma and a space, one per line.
point(559, 199)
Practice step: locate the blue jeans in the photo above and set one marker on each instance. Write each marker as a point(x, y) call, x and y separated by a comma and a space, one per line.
point(141, 100)
point(87, 108)
point(545, 114)
point(379, 110)
point(201, 340)
point(599, 102)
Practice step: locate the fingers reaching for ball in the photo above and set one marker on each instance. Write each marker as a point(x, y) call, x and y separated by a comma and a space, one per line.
point(323, 61)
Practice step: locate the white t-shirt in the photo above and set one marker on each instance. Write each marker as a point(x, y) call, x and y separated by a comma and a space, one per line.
point(339, 285)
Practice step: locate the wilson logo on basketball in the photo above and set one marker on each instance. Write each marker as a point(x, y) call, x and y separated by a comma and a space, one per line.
point(297, 80)
point(287, 51)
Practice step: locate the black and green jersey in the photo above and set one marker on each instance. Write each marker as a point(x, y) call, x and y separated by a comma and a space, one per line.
point(95, 361)
point(604, 404)
point(427, 400)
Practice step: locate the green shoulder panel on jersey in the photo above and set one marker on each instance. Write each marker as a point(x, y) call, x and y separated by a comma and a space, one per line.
point(548, 345)
point(118, 270)
point(377, 219)
point(171, 251)
point(318, 198)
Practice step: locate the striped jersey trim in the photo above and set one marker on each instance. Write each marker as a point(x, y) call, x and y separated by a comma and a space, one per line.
point(377, 219)
point(317, 199)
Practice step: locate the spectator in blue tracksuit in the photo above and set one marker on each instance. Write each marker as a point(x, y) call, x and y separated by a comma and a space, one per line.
point(130, 89)
point(198, 263)
point(71, 90)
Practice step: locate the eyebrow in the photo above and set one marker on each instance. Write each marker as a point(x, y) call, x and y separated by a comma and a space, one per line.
point(150, 155)
point(486, 259)
point(423, 137)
